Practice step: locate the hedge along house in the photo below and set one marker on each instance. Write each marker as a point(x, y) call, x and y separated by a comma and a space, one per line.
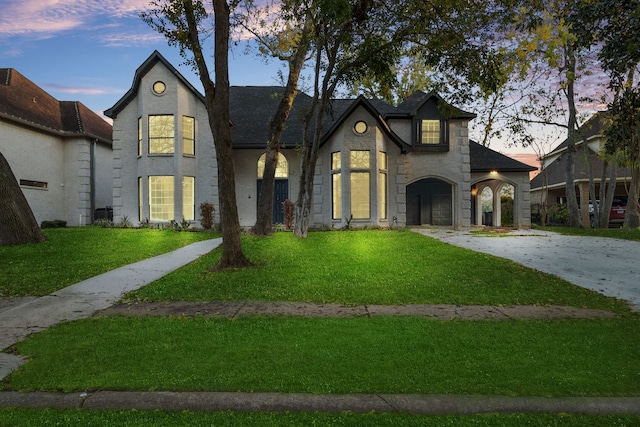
point(378, 165)
point(59, 151)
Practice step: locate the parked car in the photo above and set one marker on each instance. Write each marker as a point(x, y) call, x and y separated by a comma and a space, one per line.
point(618, 211)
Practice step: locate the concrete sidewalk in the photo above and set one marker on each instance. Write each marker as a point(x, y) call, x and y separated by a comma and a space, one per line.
point(85, 298)
point(436, 404)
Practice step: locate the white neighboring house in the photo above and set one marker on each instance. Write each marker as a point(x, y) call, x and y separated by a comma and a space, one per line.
point(59, 151)
point(378, 165)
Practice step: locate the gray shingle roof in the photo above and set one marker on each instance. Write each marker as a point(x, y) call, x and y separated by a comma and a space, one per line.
point(484, 159)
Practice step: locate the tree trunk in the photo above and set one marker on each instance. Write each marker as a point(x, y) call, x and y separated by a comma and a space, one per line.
point(632, 216)
point(17, 223)
point(572, 200)
point(264, 217)
point(217, 103)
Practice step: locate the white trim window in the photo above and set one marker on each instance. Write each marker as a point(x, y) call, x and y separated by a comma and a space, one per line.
point(161, 134)
point(360, 181)
point(161, 198)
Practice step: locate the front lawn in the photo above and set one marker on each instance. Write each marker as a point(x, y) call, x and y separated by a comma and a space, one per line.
point(71, 418)
point(370, 267)
point(616, 233)
point(71, 255)
point(355, 355)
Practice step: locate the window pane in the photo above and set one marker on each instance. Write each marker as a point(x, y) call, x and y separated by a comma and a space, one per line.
point(430, 132)
point(360, 187)
point(335, 161)
point(282, 167)
point(359, 159)
point(188, 135)
point(161, 134)
point(382, 160)
point(337, 196)
point(382, 196)
point(139, 136)
point(161, 198)
point(140, 198)
point(188, 198)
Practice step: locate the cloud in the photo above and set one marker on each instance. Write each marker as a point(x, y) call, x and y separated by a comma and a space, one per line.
point(75, 90)
point(46, 18)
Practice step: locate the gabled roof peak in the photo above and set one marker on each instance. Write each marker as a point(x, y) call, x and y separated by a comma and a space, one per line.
point(153, 59)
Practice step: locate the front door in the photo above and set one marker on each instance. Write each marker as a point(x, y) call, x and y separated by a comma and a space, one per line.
point(280, 194)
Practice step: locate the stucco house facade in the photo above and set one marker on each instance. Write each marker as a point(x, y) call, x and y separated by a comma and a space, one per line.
point(379, 165)
point(59, 151)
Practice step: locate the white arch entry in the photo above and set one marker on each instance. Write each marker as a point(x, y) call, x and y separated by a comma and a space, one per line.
point(496, 185)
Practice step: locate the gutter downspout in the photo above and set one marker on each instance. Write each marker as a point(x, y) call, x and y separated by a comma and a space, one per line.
point(92, 180)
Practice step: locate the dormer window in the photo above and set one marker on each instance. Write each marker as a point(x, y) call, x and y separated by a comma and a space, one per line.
point(431, 135)
point(430, 132)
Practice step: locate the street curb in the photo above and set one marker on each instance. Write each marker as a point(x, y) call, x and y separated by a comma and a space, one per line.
point(304, 402)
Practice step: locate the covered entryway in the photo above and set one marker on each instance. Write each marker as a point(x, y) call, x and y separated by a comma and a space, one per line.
point(493, 203)
point(429, 202)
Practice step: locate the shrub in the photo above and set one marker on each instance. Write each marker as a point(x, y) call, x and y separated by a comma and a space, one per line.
point(56, 223)
point(288, 208)
point(124, 222)
point(206, 215)
point(103, 222)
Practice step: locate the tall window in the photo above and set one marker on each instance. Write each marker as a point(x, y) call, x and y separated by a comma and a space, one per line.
point(188, 197)
point(161, 134)
point(336, 186)
point(382, 185)
point(161, 198)
point(282, 167)
point(360, 184)
point(430, 132)
point(140, 198)
point(188, 135)
point(139, 136)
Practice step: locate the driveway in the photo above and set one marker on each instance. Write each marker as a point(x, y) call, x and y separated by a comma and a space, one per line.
point(608, 266)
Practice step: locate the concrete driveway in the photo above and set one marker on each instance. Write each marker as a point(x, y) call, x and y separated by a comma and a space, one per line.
point(608, 266)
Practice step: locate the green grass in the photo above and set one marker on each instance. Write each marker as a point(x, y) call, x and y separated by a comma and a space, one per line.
point(616, 233)
point(370, 267)
point(84, 418)
point(355, 355)
point(71, 255)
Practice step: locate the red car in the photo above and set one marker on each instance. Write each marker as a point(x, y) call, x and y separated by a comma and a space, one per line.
point(618, 211)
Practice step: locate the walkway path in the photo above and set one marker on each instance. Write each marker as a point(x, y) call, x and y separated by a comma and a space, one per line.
point(85, 298)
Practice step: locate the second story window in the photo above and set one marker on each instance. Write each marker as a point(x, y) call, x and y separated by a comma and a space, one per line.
point(161, 134)
point(188, 135)
point(430, 132)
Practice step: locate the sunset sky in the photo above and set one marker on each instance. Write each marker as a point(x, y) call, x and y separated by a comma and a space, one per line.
point(88, 50)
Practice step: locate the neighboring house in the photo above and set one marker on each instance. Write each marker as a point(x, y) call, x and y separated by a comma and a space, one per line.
point(549, 186)
point(378, 165)
point(59, 151)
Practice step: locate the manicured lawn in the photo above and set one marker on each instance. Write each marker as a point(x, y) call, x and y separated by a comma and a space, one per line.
point(71, 255)
point(25, 417)
point(369, 267)
point(354, 355)
point(617, 233)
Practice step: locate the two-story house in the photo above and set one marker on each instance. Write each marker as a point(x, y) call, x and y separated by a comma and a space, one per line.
point(378, 165)
point(59, 151)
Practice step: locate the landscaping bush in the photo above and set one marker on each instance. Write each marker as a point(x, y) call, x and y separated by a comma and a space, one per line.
point(56, 223)
point(206, 215)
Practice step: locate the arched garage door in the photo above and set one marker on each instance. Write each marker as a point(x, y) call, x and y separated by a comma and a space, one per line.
point(429, 202)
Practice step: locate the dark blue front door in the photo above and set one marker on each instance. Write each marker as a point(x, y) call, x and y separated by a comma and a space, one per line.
point(280, 194)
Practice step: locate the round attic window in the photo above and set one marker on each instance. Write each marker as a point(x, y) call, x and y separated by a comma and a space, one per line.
point(360, 127)
point(159, 88)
